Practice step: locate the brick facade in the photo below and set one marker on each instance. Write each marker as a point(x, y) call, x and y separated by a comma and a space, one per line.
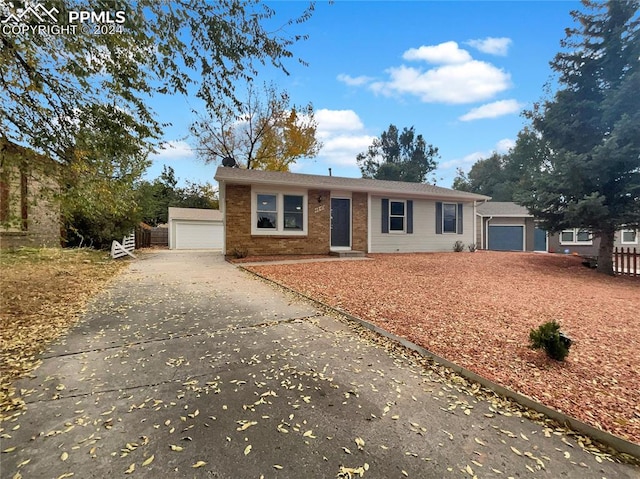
point(360, 220)
point(238, 226)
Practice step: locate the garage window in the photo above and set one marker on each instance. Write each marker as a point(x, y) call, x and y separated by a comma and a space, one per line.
point(575, 236)
point(276, 213)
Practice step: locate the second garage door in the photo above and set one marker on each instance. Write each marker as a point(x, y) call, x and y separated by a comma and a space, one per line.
point(198, 234)
point(506, 238)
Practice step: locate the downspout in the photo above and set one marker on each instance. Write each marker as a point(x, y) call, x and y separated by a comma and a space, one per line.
point(475, 223)
point(487, 232)
point(222, 208)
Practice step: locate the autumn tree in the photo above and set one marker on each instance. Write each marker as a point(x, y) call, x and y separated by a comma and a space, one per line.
point(98, 202)
point(591, 127)
point(264, 132)
point(399, 156)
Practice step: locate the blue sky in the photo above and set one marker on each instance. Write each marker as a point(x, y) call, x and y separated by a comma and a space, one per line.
point(459, 72)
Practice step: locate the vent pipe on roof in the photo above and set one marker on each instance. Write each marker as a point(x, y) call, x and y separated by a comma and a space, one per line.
point(329, 171)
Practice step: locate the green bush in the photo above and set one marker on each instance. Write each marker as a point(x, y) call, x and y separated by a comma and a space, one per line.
point(240, 252)
point(458, 246)
point(549, 337)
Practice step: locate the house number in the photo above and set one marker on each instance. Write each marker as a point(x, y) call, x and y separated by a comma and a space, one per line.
point(320, 208)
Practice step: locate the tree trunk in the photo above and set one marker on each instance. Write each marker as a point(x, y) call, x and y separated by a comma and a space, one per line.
point(605, 253)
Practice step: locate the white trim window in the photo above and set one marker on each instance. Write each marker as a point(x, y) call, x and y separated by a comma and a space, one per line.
point(278, 213)
point(397, 216)
point(629, 237)
point(576, 236)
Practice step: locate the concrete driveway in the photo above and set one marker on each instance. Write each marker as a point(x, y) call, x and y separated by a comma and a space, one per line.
point(188, 367)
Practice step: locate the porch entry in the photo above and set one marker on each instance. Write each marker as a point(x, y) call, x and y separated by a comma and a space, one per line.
point(340, 222)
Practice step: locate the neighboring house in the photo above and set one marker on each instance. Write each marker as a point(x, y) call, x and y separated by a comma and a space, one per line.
point(269, 212)
point(29, 212)
point(581, 242)
point(195, 228)
point(506, 226)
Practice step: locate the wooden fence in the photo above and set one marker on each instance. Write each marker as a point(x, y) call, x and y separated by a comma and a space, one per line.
point(143, 237)
point(626, 262)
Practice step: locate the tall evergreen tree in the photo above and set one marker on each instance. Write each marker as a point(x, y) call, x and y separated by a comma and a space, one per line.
point(591, 179)
point(398, 156)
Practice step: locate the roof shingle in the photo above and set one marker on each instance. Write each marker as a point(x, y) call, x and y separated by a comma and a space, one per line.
point(244, 176)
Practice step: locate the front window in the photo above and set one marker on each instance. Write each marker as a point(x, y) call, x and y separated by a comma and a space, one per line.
point(267, 209)
point(629, 237)
point(576, 236)
point(449, 217)
point(275, 213)
point(293, 215)
point(396, 215)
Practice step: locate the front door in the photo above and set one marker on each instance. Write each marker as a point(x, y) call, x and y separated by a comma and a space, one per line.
point(340, 222)
point(539, 239)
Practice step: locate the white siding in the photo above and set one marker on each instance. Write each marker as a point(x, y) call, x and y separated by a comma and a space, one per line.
point(424, 237)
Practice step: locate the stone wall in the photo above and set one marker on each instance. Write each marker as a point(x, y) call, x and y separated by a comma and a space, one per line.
point(41, 227)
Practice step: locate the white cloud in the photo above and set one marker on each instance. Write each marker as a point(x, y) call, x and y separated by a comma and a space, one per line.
point(466, 162)
point(342, 149)
point(504, 145)
point(331, 120)
point(454, 77)
point(447, 53)
point(343, 136)
point(492, 110)
point(458, 83)
point(354, 81)
point(491, 45)
point(174, 150)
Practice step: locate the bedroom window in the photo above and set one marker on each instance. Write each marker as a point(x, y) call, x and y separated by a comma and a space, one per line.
point(397, 213)
point(449, 217)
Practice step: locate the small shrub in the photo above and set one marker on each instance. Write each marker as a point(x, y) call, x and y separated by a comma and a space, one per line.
point(472, 248)
point(239, 252)
point(458, 246)
point(549, 337)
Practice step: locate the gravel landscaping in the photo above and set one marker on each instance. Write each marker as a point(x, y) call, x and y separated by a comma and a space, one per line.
point(476, 309)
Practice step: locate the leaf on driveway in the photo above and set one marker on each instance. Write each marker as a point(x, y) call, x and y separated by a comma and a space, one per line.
point(199, 464)
point(131, 468)
point(247, 450)
point(149, 460)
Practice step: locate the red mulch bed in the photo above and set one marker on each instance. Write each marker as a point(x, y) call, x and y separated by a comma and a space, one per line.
point(476, 309)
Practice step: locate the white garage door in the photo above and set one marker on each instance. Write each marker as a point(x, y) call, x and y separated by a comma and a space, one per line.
point(198, 235)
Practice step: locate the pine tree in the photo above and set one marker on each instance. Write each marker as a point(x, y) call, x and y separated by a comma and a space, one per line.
point(591, 179)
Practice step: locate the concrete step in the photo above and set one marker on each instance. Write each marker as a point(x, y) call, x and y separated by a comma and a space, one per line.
point(348, 254)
